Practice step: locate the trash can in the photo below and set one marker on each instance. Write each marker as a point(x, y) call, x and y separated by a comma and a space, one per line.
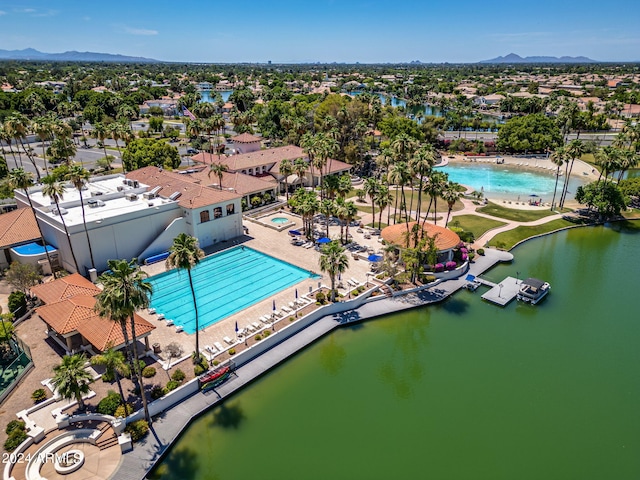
point(156, 348)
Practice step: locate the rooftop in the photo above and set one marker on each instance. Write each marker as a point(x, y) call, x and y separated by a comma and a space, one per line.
point(63, 288)
point(445, 238)
point(17, 227)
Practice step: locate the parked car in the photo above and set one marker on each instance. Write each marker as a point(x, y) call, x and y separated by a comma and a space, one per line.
point(192, 151)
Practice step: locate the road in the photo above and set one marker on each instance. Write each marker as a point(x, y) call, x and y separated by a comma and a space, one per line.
point(601, 138)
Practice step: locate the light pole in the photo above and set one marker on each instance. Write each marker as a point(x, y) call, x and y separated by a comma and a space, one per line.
point(500, 291)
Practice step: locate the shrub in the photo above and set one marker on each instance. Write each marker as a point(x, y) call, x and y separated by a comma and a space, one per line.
point(156, 392)
point(198, 359)
point(108, 377)
point(123, 410)
point(257, 338)
point(429, 278)
point(232, 351)
point(14, 425)
point(266, 333)
point(39, 395)
point(137, 429)
point(480, 251)
point(291, 319)
point(450, 266)
point(17, 303)
point(355, 293)
point(321, 298)
point(199, 369)
point(172, 385)
point(109, 404)
point(15, 438)
point(439, 267)
point(215, 363)
point(179, 375)
point(148, 372)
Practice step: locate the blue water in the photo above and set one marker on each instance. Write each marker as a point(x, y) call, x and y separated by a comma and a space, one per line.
point(504, 181)
point(205, 96)
point(224, 283)
point(32, 249)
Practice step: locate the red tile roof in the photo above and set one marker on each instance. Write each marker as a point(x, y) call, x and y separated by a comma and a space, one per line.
point(193, 195)
point(445, 239)
point(18, 227)
point(245, 138)
point(64, 288)
point(245, 161)
point(240, 183)
point(65, 316)
point(103, 333)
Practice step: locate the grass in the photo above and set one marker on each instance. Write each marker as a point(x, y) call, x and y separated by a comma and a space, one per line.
point(509, 238)
point(516, 215)
point(475, 224)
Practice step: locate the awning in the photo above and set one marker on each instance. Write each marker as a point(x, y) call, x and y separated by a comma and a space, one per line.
point(292, 179)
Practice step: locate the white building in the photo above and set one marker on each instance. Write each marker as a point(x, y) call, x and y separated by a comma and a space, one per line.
point(134, 217)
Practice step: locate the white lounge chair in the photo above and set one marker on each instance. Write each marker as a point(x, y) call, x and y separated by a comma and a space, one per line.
point(256, 325)
point(179, 328)
point(152, 311)
point(250, 328)
point(228, 340)
point(286, 309)
point(160, 316)
point(169, 323)
point(219, 346)
point(211, 349)
point(292, 306)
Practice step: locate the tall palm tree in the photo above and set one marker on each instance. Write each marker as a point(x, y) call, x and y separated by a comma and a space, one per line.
point(19, 127)
point(79, 177)
point(100, 132)
point(55, 190)
point(124, 292)
point(300, 168)
point(334, 261)
point(383, 200)
point(371, 187)
point(421, 164)
point(7, 137)
point(70, 378)
point(286, 169)
point(186, 254)
point(399, 175)
point(558, 157)
point(115, 365)
point(217, 169)
point(451, 194)
point(575, 149)
point(20, 179)
point(43, 128)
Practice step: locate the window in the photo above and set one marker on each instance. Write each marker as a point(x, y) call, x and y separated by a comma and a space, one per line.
point(231, 208)
point(217, 212)
point(204, 216)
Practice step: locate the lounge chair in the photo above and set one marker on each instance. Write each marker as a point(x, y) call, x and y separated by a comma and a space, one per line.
point(292, 305)
point(250, 328)
point(210, 349)
point(228, 340)
point(219, 346)
point(179, 328)
point(152, 311)
point(160, 316)
point(169, 323)
point(256, 325)
point(286, 309)
point(355, 281)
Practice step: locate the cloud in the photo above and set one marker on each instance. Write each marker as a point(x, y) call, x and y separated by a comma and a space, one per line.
point(140, 31)
point(32, 12)
point(2, 12)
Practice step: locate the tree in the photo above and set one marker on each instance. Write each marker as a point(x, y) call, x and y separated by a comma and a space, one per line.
point(79, 177)
point(217, 169)
point(371, 187)
point(148, 151)
point(186, 254)
point(22, 276)
point(451, 194)
point(54, 189)
point(605, 197)
point(70, 378)
point(286, 169)
point(558, 157)
point(115, 365)
point(531, 133)
point(20, 179)
point(124, 292)
point(575, 149)
point(19, 125)
point(334, 261)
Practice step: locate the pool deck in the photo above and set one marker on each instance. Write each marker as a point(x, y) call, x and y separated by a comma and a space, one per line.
point(168, 426)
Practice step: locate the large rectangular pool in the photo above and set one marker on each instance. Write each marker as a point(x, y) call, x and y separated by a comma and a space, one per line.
point(225, 283)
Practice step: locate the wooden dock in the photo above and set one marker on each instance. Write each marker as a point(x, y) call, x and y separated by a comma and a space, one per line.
point(503, 292)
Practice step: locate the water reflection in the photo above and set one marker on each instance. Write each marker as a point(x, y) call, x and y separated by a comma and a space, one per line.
point(332, 356)
point(180, 463)
point(228, 416)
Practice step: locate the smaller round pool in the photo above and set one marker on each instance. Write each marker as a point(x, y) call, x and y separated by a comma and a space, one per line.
point(280, 220)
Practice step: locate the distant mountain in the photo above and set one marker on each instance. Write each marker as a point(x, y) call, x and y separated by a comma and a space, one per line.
point(513, 58)
point(73, 56)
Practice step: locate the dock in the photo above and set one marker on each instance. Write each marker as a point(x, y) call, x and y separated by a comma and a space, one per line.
point(501, 293)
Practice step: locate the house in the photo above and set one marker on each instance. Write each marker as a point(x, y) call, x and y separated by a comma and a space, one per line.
point(246, 143)
point(445, 240)
point(169, 106)
point(133, 216)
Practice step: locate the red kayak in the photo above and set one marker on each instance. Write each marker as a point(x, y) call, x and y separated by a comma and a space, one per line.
point(213, 376)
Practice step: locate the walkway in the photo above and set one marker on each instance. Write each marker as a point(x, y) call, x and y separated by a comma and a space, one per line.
point(136, 464)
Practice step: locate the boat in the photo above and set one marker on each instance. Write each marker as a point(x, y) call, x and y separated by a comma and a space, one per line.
point(215, 378)
point(532, 290)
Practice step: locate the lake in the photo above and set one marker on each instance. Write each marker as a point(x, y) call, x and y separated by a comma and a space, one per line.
point(460, 390)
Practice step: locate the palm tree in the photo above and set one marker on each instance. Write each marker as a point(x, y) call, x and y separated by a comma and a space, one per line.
point(115, 365)
point(421, 164)
point(575, 149)
point(351, 213)
point(7, 137)
point(399, 175)
point(186, 254)
point(286, 169)
point(43, 128)
point(300, 168)
point(217, 169)
point(115, 132)
point(100, 133)
point(334, 261)
point(371, 187)
point(327, 208)
point(124, 292)
point(558, 156)
point(70, 378)
point(54, 189)
point(383, 200)
point(18, 125)
point(451, 194)
point(20, 179)
point(79, 177)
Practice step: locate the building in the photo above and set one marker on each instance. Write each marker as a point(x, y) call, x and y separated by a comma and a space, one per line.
point(136, 216)
point(16, 228)
point(445, 239)
point(246, 143)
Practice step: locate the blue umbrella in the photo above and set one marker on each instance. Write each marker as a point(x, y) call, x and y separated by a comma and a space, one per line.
point(237, 329)
point(324, 240)
point(296, 293)
point(274, 305)
point(374, 258)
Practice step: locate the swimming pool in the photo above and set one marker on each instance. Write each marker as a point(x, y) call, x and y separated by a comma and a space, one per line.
point(225, 283)
point(280, 220)
point(506, 181)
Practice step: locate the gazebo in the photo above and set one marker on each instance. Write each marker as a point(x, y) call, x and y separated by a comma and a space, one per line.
point(445, 239)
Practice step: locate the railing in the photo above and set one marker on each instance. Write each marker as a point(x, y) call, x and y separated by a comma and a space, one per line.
point(22, 360)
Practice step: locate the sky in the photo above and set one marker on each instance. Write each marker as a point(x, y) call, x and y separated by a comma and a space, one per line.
point(288, 31)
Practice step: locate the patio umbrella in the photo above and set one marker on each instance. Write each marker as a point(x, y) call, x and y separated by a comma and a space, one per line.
point(296, 293)
point(295, 233)
point(237, 329)
point(323, 240)
point(374, 258)
point(274, 306)
point(533, 195)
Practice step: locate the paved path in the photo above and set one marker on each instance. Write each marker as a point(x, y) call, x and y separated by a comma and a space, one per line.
point(136, 464)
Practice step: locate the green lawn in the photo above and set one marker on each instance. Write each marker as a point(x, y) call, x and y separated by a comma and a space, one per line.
point(475, 224)
point(508, 239)
point(513, 214)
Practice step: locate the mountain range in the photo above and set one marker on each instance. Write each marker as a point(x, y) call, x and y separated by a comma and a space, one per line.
point(72, 56)
point(514, 58)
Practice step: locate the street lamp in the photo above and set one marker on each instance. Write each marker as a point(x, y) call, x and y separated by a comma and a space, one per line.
point(500, 291)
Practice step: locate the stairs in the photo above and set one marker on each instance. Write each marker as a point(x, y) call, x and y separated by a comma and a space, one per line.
point(107, 437)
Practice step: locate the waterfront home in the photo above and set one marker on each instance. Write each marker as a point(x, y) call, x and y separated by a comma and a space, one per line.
point(446, 240)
